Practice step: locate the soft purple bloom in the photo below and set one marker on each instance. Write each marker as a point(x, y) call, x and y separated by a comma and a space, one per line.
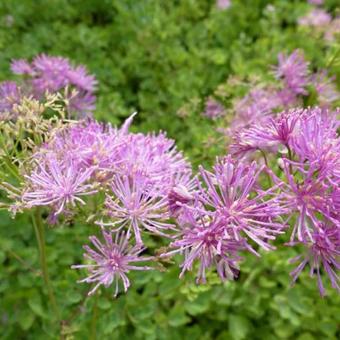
point(317, 17)
point(316, 2)
point(78, 77)
point(213, 109)
point(269, 135)
point(155, 156)
point(21, 66)
point(325, 88)
point(333, 30)
point(308, 194)
point(57, 184)
point(203, 239)
point(223, 4)
point(49, 73)
point(293, 70)
point(88, 144)
point(55, 74)
point(317, 140)
point(323, 254)
point(288, 98)
point(254, 107)
point(112, 260)
point(228, 210)
point(233, 197)
point(136, 204)
point(9, 96)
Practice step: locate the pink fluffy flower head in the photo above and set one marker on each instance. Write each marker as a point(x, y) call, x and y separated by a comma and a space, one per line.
point(255, 107)
point(316, 2)
point(293, 69)
point(316, 140)
point(223, 4)
point(322, 253)
point(136, 204)
point(57, 184)
point(112, 260)
point(9, 96)
point(317, 17)
point(233, 196)
point(55, 74)
point(308, 194)
point(203, 240)
point(213, 109)
point(268, 135)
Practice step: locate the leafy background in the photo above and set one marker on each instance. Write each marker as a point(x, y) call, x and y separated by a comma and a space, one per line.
point(160, 58)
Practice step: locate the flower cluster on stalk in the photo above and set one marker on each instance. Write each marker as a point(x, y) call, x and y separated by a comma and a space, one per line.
point(133, 185)
point(49, 74)
point(307, 144)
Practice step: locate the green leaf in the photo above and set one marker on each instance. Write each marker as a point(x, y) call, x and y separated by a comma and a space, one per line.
point(177, 316)
point(35, 304)
point(26, 318)
point(239, 326)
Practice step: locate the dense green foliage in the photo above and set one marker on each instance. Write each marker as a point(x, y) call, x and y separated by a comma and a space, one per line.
point(160, 58)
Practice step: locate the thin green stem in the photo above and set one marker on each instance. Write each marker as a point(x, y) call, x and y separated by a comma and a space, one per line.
point(94, 319)
point(290, 157)
point(270, 182)
point(40, 235)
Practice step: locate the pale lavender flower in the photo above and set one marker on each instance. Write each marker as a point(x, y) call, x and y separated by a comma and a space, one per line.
point(203, 240)
point(293, 70)
point(333, 30)
point(155, 156)
point(9, 96)
point(322, 254)
point(325, 88)
point(57, 184)
point(223, 4)
point(49, 73)
point(288, 98)
point(254, 107)
point(136, 204)
point(88, 144)
point(81, 103)
point(213, 109)
point(21, 66)
point(78, 77)
point(316, 2)
point(269, 135)
point(55, 74)
point(317, 141)
point(309, 195)
point(317, 18)
point(112, 260)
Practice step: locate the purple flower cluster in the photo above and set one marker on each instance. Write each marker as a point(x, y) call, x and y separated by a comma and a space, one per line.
point(133, 185)
point(308, 146)
point(316, 2)
point(51, 74)
point(321, 22)
point(227, 213)
point(213, 109)
point(293, 80)
point(223, 4)
point(317, 18)
point(137, 175)
point(9, 97)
